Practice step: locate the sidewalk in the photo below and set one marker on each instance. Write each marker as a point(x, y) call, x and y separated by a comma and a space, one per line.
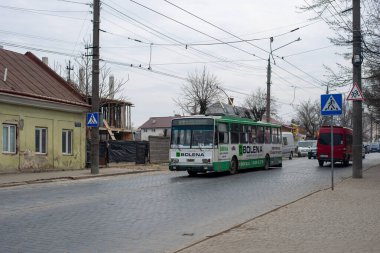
point(344, 220)
point(14, 179)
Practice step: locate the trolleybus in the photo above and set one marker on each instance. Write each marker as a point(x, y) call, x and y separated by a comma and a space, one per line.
point(201, 144)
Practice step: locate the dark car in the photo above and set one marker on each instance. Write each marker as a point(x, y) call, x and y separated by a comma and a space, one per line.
point(375, 147)
point(313, 151)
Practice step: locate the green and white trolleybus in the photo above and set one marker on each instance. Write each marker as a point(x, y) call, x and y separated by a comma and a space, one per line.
point(201, 144)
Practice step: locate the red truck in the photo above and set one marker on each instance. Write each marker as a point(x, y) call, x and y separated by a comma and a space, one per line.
point(342, 144)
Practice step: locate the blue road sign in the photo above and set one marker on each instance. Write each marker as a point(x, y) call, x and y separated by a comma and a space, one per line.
point(331, 104)
point(92, 119)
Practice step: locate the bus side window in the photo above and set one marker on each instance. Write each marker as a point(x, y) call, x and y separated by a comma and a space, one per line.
point(244, 134)
point(234, 133)
point(267, 135)
point(222, 134)
point(253, 135)
point(260, 134)
point(275, 135)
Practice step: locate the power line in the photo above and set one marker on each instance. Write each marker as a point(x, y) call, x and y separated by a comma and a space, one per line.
point(172, 39)
point(307, 51)
point(178, 22)
point(40, 12)
point(145, 69)
point(36, 49)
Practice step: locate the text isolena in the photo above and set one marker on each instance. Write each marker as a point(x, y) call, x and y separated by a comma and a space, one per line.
point(250, 149)
point(191, 154)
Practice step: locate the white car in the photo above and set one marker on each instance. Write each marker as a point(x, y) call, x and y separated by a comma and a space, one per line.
point(304, 147)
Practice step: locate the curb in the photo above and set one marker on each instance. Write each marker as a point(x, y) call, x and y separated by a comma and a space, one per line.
point(66, 178)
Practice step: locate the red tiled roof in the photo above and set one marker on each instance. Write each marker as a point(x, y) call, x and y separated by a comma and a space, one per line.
point(30, 77)
point(158, 122)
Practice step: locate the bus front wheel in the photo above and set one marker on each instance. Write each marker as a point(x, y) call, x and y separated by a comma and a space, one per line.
point(320, 163)
point(234, 166)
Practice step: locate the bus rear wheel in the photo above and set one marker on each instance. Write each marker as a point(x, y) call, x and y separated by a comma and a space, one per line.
point(234, 166)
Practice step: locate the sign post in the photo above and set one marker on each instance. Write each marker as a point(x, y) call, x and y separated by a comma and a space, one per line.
point(331, 104)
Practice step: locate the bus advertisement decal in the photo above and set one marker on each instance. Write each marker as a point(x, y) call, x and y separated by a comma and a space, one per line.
point(250, 149)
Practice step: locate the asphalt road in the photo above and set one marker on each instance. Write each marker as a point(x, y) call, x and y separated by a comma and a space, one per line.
point(152, 212)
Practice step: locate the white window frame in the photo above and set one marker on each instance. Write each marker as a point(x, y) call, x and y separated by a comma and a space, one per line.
point(39, 149)
point(9, 150)
point(67, 138)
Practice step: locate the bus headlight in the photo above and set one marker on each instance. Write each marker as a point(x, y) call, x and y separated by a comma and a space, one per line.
point(175, 160)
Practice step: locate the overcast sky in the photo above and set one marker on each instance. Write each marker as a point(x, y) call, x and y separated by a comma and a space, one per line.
point(61, 27)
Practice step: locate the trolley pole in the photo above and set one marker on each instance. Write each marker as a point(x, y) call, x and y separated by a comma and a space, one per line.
point(357, 164)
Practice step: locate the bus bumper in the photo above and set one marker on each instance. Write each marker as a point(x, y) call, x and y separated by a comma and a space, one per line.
point(195, 168)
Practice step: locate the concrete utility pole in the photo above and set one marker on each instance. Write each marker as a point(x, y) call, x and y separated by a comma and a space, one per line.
point(269, 71)
point(69, 68)
point(95, 89)
point(357, 164)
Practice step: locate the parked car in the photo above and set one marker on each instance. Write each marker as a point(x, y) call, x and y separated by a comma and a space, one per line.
point(313, 151)
point(304, 147)
point(288, 146)
point(342, 145)
point(375, 147)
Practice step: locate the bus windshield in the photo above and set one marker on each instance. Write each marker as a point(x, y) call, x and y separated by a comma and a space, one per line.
point(192, 136)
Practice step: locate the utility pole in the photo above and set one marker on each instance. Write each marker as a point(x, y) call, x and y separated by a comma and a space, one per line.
point(95, 89)
point(269, 72)
point(357, 164)
point(86, 69)
point(69, 68)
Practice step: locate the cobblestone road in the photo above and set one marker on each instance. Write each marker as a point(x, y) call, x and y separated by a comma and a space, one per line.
point(153, 212)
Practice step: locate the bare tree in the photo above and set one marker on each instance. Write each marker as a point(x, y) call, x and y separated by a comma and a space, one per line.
point(337, 15)
point(199, 92)
point(256, 103)
point(309, 117)
point(346, 118)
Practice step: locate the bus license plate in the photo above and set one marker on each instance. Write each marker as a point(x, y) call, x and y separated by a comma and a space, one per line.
point(323, 156)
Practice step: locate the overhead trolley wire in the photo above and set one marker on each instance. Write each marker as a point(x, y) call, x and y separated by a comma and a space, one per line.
point(222, 59)
point(178, 22)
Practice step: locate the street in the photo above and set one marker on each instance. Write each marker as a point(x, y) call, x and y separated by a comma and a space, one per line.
point(151, 212)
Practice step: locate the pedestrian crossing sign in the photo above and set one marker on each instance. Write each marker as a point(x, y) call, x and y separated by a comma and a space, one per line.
point(331, 104)
point(92, 119)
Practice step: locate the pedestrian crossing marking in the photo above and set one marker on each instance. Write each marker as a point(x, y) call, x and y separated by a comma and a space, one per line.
point(331, 105)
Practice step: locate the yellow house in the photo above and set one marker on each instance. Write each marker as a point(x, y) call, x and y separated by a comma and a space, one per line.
point(42, 117)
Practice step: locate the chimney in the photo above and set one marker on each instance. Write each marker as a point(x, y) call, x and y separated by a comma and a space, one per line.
point(45, 60)
point(81, 80)
point(112, 86)
point(231, 101)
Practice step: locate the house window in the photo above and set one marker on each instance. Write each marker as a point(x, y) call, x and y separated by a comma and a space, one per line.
point(67, 142)
point(9, 138)
point(41, 140)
